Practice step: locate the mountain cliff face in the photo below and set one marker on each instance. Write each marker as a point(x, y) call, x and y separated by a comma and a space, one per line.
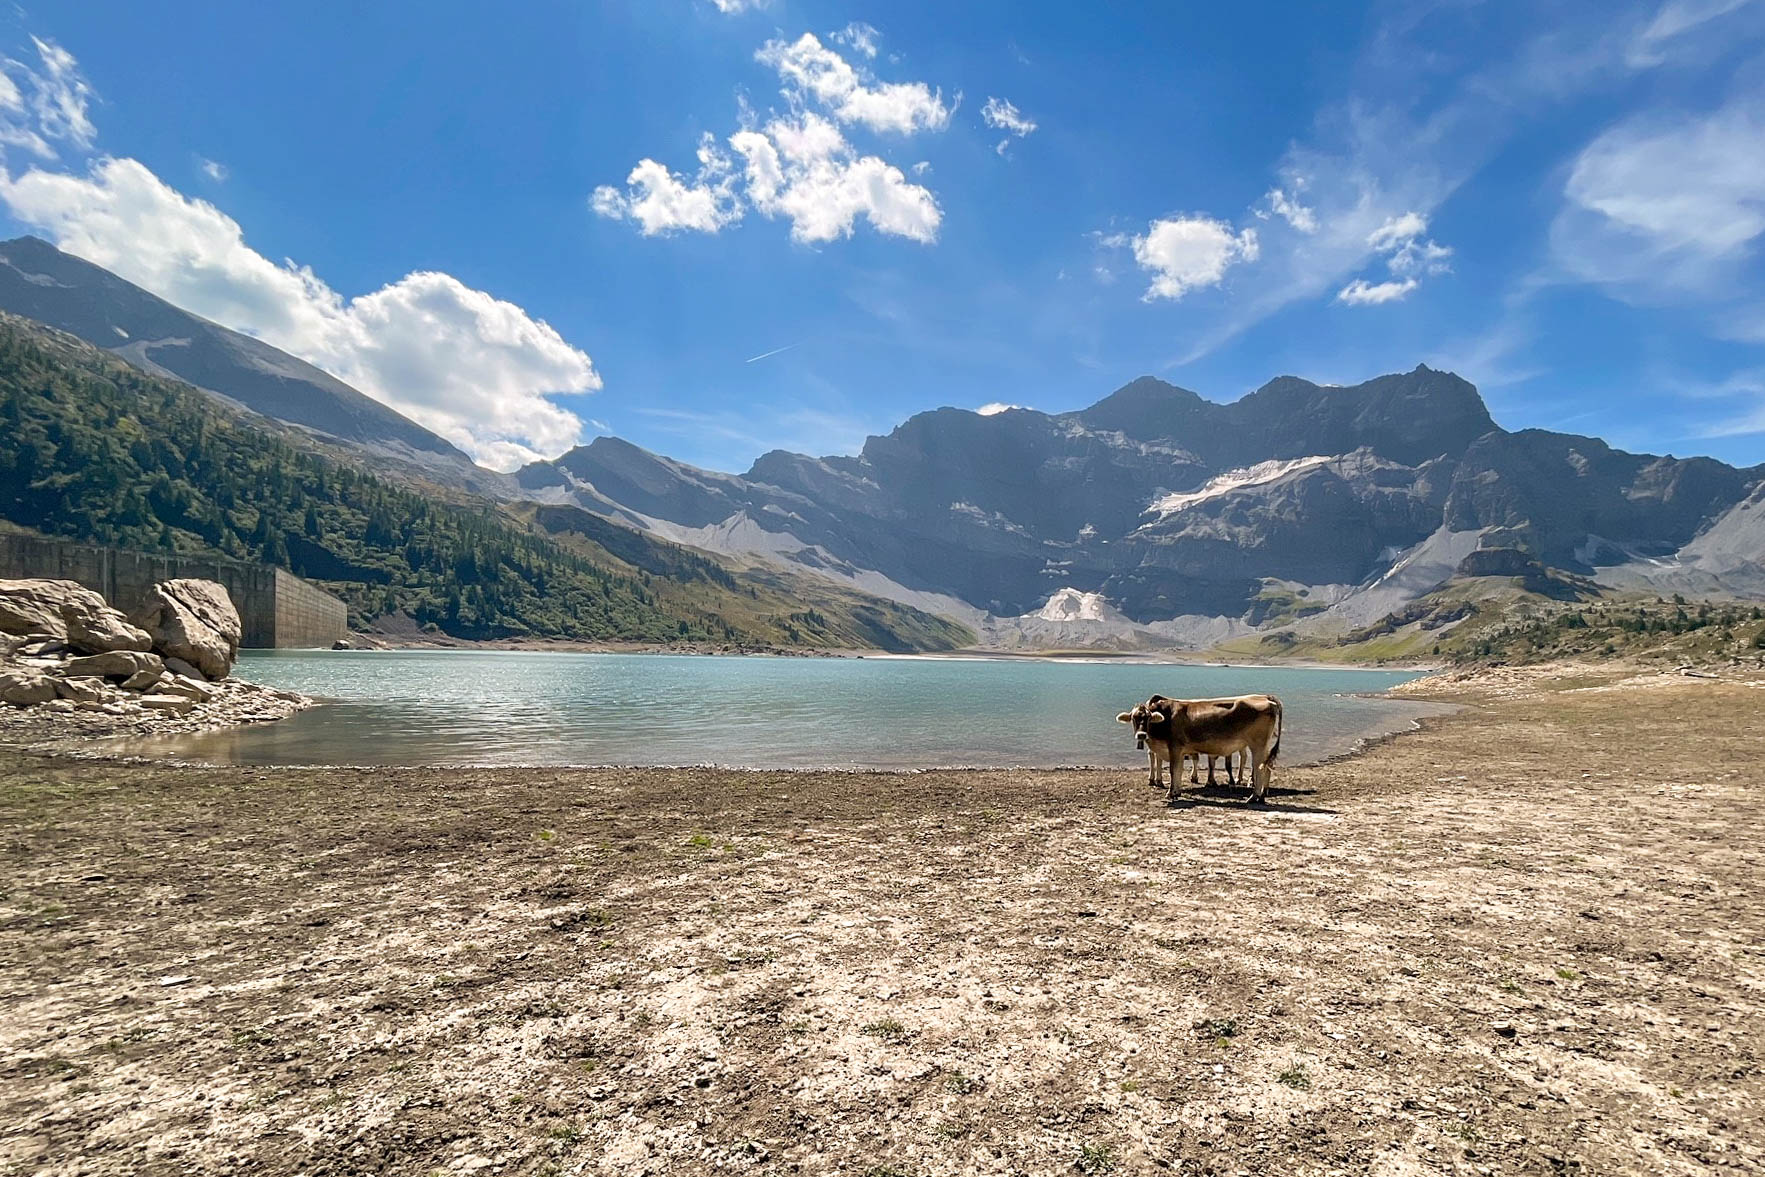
point(1172, 509)
point(38, 281)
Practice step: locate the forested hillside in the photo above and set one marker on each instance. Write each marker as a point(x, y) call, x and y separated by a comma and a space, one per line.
point(95, 450)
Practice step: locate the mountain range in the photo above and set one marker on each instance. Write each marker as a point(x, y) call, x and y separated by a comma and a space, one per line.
point(1153, 517)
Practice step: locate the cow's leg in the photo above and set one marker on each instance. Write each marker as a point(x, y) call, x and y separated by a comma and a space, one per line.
point(1231, 770)
point(1152, 780)
point(1194, 769)
point(1211, 761)
point(1258, 777)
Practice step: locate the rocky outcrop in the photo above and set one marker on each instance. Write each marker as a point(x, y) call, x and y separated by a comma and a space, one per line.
point(24, 688)
point(64, 611)
point(193, 621)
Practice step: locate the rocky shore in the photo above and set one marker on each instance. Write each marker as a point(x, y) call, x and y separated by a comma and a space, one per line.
point(74, 669)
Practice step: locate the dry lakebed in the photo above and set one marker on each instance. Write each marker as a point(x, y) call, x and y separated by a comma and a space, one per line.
point(1526, 939)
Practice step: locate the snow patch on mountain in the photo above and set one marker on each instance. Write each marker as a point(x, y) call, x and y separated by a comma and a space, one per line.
point(1069, 604)
point(1235, 480)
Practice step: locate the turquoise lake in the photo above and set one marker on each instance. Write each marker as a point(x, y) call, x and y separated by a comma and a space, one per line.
point(515, 708)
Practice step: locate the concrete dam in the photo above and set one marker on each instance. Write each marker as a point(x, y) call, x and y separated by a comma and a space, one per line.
point(277, 609)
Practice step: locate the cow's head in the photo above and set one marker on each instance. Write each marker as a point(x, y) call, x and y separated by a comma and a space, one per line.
point(1144, 719)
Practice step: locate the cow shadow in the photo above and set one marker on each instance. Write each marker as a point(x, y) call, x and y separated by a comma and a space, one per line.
point(1276, 800)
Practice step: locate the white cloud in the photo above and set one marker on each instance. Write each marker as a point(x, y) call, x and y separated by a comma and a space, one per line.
point(1004, 116)
point(733, 6)
point(51, 105)
point(214, 171)
point(859, 37)
point(1408, 257)
point(1290, 210)
point(1397, 231)
point(803, 168)
point(1673, 21)
point(471, 367)
point(811, 71)
point(1188, 253)
point(1362, 293)
point(995, 408)
point(1657, 207)
point(662, 202)
point(799, 166)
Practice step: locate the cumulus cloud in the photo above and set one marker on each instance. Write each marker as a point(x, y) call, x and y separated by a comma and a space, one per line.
point(800, 165)
point(662, 202)
point(1290, 210)
point(473, 368)
point(47, 104)
point(1187, 253)
point(1360, 292)
point(1408, 257)
point(1004, 116)
point(859, 37)
point(995, 408)
point(803, 168)
point(813, 72)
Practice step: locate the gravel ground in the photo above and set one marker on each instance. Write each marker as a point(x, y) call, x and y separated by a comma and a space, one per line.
point(1527, 939)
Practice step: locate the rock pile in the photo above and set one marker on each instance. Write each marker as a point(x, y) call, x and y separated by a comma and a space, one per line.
point(64, 650)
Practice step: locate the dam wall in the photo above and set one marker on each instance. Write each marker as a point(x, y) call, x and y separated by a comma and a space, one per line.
point(277, 609)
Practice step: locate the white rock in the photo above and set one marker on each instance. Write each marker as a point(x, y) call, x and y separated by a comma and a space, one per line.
point(195, 622)
point(61, 609)
point(176, 704)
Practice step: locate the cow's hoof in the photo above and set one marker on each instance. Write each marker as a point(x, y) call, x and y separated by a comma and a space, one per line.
point(1254, 800)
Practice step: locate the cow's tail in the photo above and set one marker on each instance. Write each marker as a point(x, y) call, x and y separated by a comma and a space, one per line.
point(1275, 748)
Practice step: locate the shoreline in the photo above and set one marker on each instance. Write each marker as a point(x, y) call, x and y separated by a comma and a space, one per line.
point(389, 644)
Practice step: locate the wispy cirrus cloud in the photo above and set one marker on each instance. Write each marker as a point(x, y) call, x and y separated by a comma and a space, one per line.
point(1004, 116)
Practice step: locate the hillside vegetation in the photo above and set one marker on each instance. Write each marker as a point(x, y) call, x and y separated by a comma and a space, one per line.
point(1475, 621)
point(94, 450)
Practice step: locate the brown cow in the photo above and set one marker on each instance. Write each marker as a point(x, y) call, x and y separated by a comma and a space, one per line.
point(1171, 729)
point(1192, 762)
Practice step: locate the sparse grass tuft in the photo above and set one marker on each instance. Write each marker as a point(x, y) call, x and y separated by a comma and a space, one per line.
point(889, 1030)
point(1568, 974)
point(960, 1084)
point(1095, 1158)
point(1295, 1076)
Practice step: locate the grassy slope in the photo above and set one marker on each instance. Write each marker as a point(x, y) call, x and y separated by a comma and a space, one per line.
point(1488, 620)
point(769, 603)
point(95, 450)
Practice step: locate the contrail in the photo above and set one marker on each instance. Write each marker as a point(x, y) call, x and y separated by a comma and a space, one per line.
point(773, 352)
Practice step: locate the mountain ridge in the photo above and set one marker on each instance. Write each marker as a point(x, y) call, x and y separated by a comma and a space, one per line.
point(1001, 512)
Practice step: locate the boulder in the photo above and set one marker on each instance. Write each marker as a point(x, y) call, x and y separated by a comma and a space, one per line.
point(62, 610)
point(82, 690)
point(116, 664)
point(193, 621)
point(176, 704)
point(190, 688)
point(144, 679)
point(181, 667)
point(25, 688)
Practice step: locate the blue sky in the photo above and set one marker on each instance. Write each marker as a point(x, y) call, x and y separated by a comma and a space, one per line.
point(528, 224)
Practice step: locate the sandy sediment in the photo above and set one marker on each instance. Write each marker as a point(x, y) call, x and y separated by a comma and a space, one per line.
point(1527, 939)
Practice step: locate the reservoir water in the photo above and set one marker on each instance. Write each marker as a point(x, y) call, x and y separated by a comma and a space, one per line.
point(513, 708)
